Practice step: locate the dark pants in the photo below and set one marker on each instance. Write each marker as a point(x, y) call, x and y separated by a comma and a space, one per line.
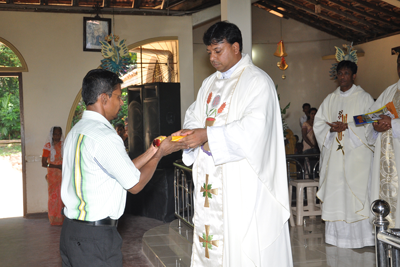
point(86, 245)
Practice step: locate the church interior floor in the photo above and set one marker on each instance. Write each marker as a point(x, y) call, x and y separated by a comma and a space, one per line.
point(33, 242)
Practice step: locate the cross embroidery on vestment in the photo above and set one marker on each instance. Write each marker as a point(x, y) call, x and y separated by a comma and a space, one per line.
point(207, 241)
point(208, 192)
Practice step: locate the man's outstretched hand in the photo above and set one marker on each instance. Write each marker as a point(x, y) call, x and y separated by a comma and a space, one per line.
point(167, 147)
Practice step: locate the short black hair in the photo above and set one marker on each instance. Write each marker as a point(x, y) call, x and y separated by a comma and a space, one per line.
point(306, 104)
point(97, 82)
point(347, 64)
point(221, 31)
point(311, 110)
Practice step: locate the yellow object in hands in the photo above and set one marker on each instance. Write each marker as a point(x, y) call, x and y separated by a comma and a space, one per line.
point(157, 141)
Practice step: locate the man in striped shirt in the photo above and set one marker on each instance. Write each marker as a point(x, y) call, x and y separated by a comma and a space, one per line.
point(97, 172)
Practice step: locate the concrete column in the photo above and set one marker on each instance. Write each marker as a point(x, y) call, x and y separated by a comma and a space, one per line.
point(239, 13)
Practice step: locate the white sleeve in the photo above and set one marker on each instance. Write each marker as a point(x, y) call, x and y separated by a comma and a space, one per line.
point(218, 142)
point(190, 155)
point(330, 136)
point(396, 128)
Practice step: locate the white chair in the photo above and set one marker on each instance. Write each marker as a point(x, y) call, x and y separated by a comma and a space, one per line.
point(300, 211)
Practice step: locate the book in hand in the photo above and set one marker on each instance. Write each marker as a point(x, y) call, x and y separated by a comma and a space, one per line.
point(388, 110)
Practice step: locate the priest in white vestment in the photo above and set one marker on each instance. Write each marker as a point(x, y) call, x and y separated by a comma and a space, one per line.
point(344, 162)
point(235, 143)
point(385, 136)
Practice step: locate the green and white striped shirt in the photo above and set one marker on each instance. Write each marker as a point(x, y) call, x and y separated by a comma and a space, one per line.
point(96, 170)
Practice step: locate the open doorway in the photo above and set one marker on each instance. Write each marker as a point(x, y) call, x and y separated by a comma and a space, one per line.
point(12, 151)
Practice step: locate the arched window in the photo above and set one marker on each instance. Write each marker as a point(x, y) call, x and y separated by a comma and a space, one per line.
point(11, 59)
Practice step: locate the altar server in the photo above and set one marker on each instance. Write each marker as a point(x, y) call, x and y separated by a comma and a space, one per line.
point(344, 162)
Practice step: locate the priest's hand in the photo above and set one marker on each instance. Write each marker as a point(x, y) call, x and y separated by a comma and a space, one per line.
point(338, 126)
point(383, 124)
point(182, 132)
point(167, 147)
point(196, 138)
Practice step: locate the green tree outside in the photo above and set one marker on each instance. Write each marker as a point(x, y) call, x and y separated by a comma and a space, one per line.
point(10, 125)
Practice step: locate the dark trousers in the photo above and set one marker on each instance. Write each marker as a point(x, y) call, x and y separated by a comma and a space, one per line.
point(86, 245)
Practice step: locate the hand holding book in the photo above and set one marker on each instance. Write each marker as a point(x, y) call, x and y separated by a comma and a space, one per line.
point(387, 110)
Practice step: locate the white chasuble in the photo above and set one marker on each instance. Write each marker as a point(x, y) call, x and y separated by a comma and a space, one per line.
point(345, 157)
point(386, 163)
point(241, 204)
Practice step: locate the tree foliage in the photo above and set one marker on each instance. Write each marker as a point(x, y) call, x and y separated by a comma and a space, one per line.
point(10, 126)
point(7, 57)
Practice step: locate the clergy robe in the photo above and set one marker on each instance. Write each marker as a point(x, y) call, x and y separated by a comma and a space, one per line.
point(241, 190)
point(386, 163)
point(344, 169)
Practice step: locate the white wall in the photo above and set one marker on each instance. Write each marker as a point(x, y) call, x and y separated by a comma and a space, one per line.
point(52, 47)
point(378, 68)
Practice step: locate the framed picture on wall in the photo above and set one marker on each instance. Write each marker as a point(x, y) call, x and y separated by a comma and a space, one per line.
point(94, 31)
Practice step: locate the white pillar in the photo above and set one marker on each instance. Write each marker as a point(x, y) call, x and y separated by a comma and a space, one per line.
point(239, 13)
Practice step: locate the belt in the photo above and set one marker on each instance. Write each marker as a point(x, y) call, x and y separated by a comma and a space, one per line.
point(104, 222)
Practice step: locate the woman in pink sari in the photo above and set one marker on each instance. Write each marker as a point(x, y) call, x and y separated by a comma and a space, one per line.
point(52, 160)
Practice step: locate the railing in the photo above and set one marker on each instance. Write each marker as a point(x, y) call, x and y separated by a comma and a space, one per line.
point(299, 161)
point(183, 193)
point(387, 242)
point(183, 184)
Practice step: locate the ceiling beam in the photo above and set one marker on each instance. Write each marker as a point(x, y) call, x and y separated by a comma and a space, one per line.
point(75, 2)
point(294, 14)
point(106, 3)
point(376, 8)
point(348, 16)
point(192, 4)
point(325, 17)
point(89, 10)
point(136, 3)
point(306, 21)
point(363, 13)
point(163, 4)
point(268, 7)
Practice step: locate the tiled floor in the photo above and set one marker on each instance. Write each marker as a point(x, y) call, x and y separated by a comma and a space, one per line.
point(33, 242)
point(308, 247)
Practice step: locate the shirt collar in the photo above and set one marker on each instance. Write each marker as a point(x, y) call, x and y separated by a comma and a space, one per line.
point(93, 115)
point(227, 74)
